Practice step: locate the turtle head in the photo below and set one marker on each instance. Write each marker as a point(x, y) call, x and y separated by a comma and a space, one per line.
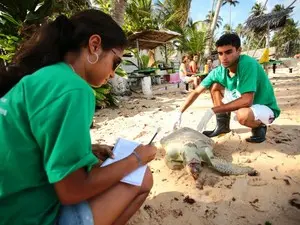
point(194, 168)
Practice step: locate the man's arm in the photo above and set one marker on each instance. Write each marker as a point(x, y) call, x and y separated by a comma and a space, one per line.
point(245, 101)
point(192, 97)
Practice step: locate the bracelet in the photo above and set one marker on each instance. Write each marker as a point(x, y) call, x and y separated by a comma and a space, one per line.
point(138, 158)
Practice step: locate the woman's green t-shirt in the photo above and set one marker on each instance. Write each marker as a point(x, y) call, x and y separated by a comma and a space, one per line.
point(44, 136)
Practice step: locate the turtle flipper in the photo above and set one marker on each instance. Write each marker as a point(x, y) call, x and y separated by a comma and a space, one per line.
point(225, 167)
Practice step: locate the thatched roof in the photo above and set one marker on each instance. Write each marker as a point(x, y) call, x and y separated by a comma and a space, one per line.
point(150, 39)
point(274, 19)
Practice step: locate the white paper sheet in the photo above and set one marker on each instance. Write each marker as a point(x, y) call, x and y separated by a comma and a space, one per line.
point(122, 149)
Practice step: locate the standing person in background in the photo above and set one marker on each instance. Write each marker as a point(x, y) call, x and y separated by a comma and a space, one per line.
point(49, 174)
point(274, 67)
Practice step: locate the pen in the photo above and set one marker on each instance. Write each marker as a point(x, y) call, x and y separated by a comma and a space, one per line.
point(158, 129)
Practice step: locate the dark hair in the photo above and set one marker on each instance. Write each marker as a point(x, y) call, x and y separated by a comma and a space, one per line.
point(54, 40)
point(229, 39)
point(184, 58)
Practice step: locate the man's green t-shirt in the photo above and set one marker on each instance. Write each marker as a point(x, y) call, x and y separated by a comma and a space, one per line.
point(249, 77)
point(44, 136)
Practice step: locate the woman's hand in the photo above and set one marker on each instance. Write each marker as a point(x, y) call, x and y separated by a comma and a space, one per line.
point(146, 153)
point(102, 152)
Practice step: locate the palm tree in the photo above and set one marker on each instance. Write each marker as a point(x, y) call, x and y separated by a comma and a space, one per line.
point(278, 8)
point(286, 39)
point(139, 16)
point(212, 29)
point(193, 37)
point(173, 12)
point(257, 9)
point(239, 30)
point(226, 29)
point(209, 19)
point(230, 2)
point(119, 84)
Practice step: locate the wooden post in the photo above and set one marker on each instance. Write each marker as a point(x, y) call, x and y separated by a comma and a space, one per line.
point(166, 55)
point(138, 53)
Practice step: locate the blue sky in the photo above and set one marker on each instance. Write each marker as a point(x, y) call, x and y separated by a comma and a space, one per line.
point(240, 13)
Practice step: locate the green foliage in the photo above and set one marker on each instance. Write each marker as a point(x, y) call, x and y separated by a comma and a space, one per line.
point(287, 39)
point(254, 40)
point(139, 16)
point(104, 5)
point(104, 96)
point(121, 72)
point(17, 18)
point(240, 30)
point(143, 61)
point(278, 8)
point(173, 13)
point(227, 29)
point(193, 37)
point(258, 9)
point(210, 17)
point(27, 10)
point(8, 45)
point(230, 2)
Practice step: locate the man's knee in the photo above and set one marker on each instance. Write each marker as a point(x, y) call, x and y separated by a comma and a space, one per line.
point(147, 182)
point(243, 115)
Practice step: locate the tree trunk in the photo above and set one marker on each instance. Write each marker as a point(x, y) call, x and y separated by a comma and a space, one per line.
point(118, 11)
point(211, 31)
point(268, 36)
point(230, 17)
point(119, 84)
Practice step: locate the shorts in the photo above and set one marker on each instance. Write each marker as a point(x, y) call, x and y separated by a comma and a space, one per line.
point(186, 79)
point(261, 112)
point(79, 214)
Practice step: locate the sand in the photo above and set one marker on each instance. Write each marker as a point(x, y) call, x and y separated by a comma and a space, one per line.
point(234, 200)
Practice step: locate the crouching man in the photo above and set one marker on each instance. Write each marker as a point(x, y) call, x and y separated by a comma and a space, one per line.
point(239, 85)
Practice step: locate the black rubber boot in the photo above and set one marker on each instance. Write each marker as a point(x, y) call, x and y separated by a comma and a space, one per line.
point(223, 122)
point(258, 134)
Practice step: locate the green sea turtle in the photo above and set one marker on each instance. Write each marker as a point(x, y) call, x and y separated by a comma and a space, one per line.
point(188, 148)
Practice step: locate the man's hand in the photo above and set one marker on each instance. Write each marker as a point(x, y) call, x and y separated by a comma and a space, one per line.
point(102, 152)
point(205, 119)
point(177, 120)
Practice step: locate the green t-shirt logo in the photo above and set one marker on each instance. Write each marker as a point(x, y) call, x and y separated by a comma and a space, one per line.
point(3, 111)
point(235, 94)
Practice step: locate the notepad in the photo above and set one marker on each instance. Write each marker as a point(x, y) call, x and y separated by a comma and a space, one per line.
point(122, 149)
